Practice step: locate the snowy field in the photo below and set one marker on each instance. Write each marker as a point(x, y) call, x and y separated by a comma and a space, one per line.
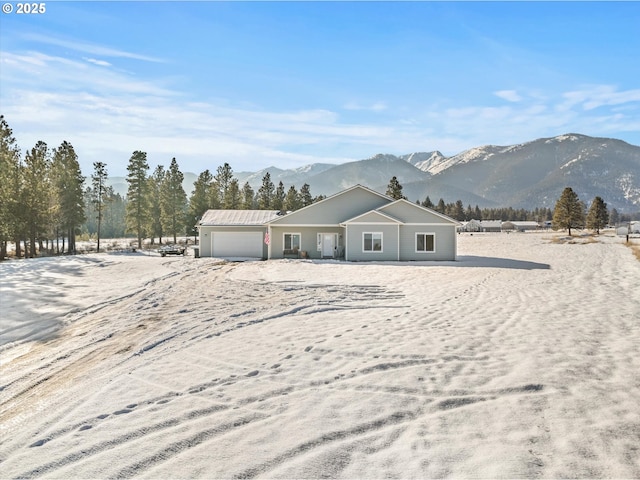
point(521, 360)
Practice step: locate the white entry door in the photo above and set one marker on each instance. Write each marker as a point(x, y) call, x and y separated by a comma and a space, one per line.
point(328, 244)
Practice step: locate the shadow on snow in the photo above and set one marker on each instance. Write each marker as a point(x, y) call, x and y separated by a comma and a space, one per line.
point(463, 261)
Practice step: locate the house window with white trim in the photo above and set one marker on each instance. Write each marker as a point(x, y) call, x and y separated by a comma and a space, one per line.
point(372, 242)
point(425, 242)
point(292, 241)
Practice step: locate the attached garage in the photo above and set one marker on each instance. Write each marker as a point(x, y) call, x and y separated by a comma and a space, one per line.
point(234, 233)
point(237, 244)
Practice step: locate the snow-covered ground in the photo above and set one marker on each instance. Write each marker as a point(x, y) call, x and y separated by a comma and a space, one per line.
point(518, 361)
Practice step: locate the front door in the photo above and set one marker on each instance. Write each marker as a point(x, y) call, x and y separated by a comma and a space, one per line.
point(328, 244)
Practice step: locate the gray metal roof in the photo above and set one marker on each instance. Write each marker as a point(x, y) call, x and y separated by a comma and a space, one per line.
point(237, 217)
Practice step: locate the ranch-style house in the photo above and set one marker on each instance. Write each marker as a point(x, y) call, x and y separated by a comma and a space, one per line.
point(357, 224)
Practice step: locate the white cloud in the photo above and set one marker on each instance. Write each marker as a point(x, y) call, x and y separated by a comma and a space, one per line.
point(374, 107)
point(107, 113)
point(596, 96)
point(544, 115)
point(204, 133)
point(98, 50)
point(41, 72)
point(101, 63)
point(508, 95)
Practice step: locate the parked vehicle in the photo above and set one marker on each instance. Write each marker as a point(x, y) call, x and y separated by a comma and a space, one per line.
point(172, 250)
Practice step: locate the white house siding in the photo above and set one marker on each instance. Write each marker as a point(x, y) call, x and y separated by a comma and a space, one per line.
point(389, 242)
point(445, 242)
point(308, 238)
point(207, 231)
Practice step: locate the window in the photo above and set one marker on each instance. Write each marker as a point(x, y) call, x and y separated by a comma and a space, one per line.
point(425, 242)
point(372, 242)
point(292, 241)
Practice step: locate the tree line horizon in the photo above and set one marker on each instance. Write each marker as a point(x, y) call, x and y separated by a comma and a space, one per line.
point(45, 205)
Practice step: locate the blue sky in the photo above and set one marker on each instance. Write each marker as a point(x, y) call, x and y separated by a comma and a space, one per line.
point(257, 84)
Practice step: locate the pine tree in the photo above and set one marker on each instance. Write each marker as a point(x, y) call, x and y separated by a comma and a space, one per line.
point(173, 201)
point(215, 201)
point(614, 218)
point(98, 191)
point(37, 194)
point(68, 187)
point(137, 197)
point(428, 203)
point(266, 193)
point(292, 201)
point(598, 216)
point(458, 211)
point(222, 180)
point(247, 197)
point(278, 199)
point(394, 189)
point(568, 212)
point(114, 215)
point(468, 213)
point(233, 198)
point(200, 197)
point(10, 187)
point(305, 195)
point(154, 204)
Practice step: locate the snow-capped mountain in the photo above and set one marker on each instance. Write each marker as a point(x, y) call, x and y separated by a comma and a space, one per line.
point(526, 175)
point(295, 176)
point(534, 173)
point(432, 162)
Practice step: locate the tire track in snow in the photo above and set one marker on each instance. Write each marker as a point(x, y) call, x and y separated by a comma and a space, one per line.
point(87, 451)
point(193, 440)
point(322, 441)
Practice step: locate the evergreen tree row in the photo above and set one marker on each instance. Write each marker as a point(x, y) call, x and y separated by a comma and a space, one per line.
point(222, 191)
point(593, 221)
point(41, 197)
point(569, 212)
point(458, 211)
point(44, 204)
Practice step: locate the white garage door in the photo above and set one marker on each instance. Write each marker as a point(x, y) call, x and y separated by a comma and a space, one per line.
point(236, 244)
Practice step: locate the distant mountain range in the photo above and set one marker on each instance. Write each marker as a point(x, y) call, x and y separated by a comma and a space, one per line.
point(526, 175)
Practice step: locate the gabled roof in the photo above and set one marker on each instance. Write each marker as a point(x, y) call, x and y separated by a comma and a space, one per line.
point(302, 216)
point(410, 205)
point(384, 218)
point(237, 217)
